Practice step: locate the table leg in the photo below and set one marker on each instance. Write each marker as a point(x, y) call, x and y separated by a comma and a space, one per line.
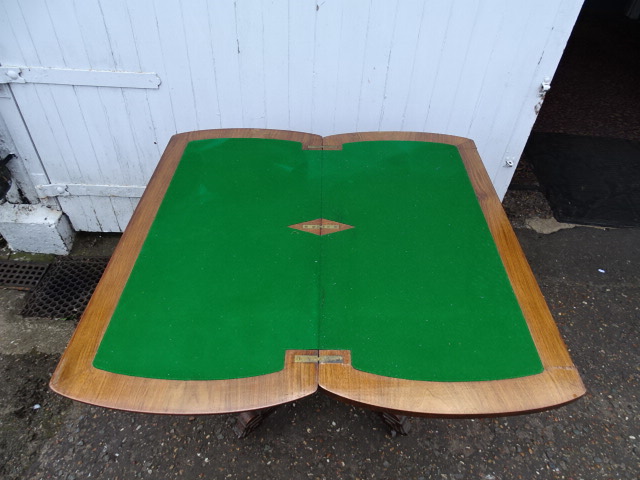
point(247, 422)
point(398, 424)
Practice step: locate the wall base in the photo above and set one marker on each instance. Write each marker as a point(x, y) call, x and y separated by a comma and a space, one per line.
point(35, 229)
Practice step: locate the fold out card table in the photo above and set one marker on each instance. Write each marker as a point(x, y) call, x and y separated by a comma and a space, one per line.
point(261, 265)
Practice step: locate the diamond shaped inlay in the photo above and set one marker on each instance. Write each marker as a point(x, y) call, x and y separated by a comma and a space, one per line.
point(321, 226)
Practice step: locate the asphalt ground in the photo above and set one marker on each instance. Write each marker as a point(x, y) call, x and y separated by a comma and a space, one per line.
point(589, 277)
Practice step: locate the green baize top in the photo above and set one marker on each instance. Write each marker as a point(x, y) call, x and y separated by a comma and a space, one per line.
point(223, 287)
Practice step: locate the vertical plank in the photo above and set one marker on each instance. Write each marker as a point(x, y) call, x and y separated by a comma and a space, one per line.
point(302, 31)
point(250, 37)
point(224, 45)
point(276, 56)
point(134, 130)
point(325, 69)
point(173, 46)
point(402, 59)
point(201, 63)
point(82, 214)
point(483, 40)
point(11, 53)
point(123, 211)
point(91, 136)
point(454, 51)
point(498, 77)
point(41, 122)
point(147, 39)
point(532, 38)
point(559, 32)
point(429, 49)
point(84, 111)
point(75, 158)
point(354, 21)
point(380, 30)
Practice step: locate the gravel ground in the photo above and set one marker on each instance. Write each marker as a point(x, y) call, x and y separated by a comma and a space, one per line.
point(596, 437)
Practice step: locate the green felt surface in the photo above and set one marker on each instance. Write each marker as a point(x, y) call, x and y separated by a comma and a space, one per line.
point(222, 286)
point(417, 289)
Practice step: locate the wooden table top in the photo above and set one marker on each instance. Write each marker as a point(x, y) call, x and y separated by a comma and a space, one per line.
point(261, 265)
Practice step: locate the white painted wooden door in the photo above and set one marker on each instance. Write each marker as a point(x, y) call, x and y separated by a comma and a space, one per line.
point(463, 67)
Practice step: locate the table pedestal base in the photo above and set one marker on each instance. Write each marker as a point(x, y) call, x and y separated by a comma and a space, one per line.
point(398, 424)
point(247, 422)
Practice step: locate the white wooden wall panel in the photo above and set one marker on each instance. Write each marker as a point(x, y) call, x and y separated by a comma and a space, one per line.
point(461, 67)
point(302, 36)
point(276, 74)
point(354, 22)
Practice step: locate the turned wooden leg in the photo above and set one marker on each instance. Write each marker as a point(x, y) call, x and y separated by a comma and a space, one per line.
point(398, 424)
point(247, 422)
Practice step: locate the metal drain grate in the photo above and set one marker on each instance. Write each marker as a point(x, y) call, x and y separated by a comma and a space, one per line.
point(21, 275)
point(65, 290)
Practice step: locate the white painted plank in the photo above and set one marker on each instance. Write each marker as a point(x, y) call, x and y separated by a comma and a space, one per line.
point(135, 130)
point(146, 38)
point(276, 57)
point(559, 33)
point(123, 211)
point(36, 101)
point(60, 106)
point(224, 45)
point(26, 168)
point(134, 203)
point(402, 59)
point(173, 47)
point(302, 31)
point(251, 40)
point(10, 49)
point(530, 42)
point(354, 21)
point(497, 78)
point(326, 61)
point(97, 158)
point(82, 214)
point(425, 69)
point(91, 34)
point(201, 65)
point(86, 190)
point(67, 76)
point(461, 67)
point(379, 37)
point(456, 43)
point(483, 40)
point(27, 34)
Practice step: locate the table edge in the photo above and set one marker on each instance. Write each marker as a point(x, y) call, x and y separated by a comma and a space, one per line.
point(75, 376)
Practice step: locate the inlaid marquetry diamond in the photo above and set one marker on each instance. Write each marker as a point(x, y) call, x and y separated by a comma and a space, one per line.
point(321, 226)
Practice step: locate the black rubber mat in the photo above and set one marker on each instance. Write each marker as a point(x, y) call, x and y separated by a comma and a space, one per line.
point(588, 180)
point(66, 288)
point(21, 275)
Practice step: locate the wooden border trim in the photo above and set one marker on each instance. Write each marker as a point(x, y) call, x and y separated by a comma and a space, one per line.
point(559, 383)
point(75, 376)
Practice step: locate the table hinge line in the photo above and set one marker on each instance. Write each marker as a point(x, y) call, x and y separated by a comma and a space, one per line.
point(324, 147)
point(318, 359)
